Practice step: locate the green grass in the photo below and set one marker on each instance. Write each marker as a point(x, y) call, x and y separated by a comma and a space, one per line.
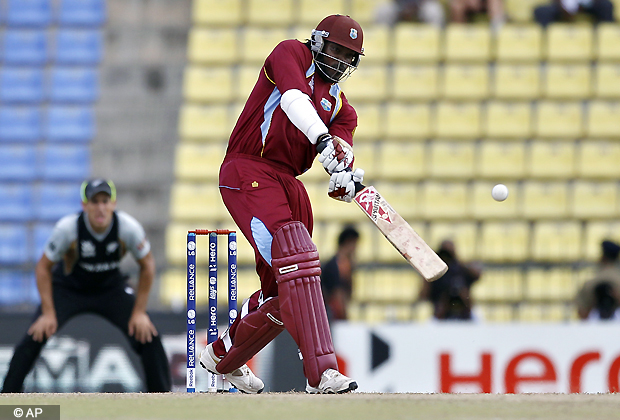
point(355, 406)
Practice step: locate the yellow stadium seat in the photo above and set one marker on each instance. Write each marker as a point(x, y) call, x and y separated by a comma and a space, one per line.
point(316, 173)
point(445, 200)
point(173, 290)
point(603, 119)
point(364, 11)
point(522, 10)
point(551, 159)
point(247, 75)
point(257, 43)
point(217, 12)
point(504, 241)
point(555, 284)
point(403, 197)
point(368, 83)
point(545, 199)
point(508, 119)
point(365, 157)
point(401, 161)
point(598, 159)
point(374, 313)
point(595, 199)
point(568, 81)
point(458, 120)
point(376, 44)
point(465, 42)
point(422, 311)
point(516, 43)
point(313, 11)
point(208, 84)
point(210, 123)
point(417, 43)
point(414, 82)
point(325, 236)
point(484, 207)
point(501, 159)
point(370, 122)
point(608, 41)
point(557, 241)
point(302, 32)
point(198, 162)
point(463, 234)
point(514, 81)
point(270, 12)
point(462, 81)
point(200, 203)
point(533, 312)
point(559, 119)
point(213, 46)
point(569, 42)
point(607, 81)
point(387, 254)
point(407, 121)
point(499, 285)
point(452, 159)
point(176, 242)
point(494, 312)
point(386, 285)
point(597, 232)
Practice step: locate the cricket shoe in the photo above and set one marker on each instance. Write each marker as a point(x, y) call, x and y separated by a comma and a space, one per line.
point(242, 378)
point(332, 382)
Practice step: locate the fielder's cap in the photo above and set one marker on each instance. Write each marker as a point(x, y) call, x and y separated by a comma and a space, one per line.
point(610, 249)
point(95, 186)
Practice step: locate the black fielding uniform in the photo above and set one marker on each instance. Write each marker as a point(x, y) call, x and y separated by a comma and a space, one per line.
point(94, 285)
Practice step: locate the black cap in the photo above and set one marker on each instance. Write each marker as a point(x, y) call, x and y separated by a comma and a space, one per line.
point(95, 186)
point(610, 249)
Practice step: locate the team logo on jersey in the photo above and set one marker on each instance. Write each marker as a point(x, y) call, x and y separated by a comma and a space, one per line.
point(353, 33)
point(111, 247)
point(88, 249)
point(327, 106)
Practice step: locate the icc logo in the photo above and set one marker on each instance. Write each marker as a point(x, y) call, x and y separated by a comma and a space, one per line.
point(191, 245)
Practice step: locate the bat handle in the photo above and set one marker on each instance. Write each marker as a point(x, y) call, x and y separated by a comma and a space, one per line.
point(321, 146)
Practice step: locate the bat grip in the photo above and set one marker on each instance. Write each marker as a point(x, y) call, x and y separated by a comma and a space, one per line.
point(321, 146)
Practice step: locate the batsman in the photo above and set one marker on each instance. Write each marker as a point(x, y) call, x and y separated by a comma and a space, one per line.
point(295, 106)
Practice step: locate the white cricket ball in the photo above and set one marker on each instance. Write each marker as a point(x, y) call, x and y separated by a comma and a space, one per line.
point(499, 192)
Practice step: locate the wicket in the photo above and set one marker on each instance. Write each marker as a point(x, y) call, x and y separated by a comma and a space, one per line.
point(212, 332)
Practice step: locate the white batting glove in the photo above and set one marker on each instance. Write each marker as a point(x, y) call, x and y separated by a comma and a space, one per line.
point(342, 184)
point(337, 154)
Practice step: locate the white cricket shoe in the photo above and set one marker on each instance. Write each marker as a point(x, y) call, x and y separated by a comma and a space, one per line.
point(243, 378)
point(332, 382)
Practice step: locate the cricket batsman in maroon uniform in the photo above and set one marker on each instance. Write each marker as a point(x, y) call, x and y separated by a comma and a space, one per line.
point(295, 105)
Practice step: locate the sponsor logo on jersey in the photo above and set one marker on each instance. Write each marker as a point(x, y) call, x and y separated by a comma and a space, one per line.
point(111, 247)
point(99, 267)
point(353, 33)
point(327, 106)
point(88, 249)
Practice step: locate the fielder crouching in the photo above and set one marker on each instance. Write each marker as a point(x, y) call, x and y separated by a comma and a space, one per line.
point(295, 105)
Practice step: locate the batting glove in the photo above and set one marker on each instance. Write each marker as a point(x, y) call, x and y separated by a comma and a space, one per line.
point(335, 153)
point(342, 184)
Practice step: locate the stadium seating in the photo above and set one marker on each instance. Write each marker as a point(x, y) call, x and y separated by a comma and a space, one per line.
point(369, 84)
point(607, 81)
point(376, 44)
point(608, 42)
point(516, 81)
point(508, 120)
point(88, 13)
point(465, 82)
point(16, 202)
point(463, 234)
point(519, 43)
point(501, 159)
point(73, 124)
point(311, 12)
point(444, 200)
point(24, 85)
point(56, 200)
point(551, 159)
point(559, 119)
point(401, 161)
point(545, 199)
point(210, 123)
point(499, 285)
point(406, 121)
point(14, 244)
point(452, 160)
point(556, 241)
point(25, 47)
point(567, 81)
point(505, 241)
point(257, 43)
point(414, 82)
point(370, 122)
point(458, 120)
point(208, 84)
point(41, 232)
point(65, 162)
point(522, 10)
point(467, 43)
point(74, 85)
point(549, 284)
point(483, 207)
point(271, 13)
point(18, 162)
point(603, 119)
point(212, 46)
point(217, 13)
point(417, 43)
point(78, 47)
point(199, 162)
point(29, 13)
point(594, 199)
point(569, 43)
point(17, 287)
point(598, 159)
point(20, 124)
point(595, 233)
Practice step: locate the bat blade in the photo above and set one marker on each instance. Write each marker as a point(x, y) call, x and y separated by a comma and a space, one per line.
point(400, 234)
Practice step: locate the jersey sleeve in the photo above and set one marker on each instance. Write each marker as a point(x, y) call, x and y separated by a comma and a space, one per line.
point(285, 67)
point(64, 233)
point(132, 234)
point(345, 122)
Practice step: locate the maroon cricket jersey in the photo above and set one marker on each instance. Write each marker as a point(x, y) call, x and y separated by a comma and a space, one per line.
point(263, 129)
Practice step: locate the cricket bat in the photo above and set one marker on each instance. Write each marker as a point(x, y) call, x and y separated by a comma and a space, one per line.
point(396, 229)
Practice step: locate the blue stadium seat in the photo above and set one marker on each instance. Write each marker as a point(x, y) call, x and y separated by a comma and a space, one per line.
point(66, 162)
point(70, 124)
point(18, 162)
point(14, 244)
point(28, 47)
point(40, 234)
point(82, 13)
point(15, 202)
point(18, 287)
point(30, 13)
point(20, 124)
point(74, 85)
point(57, 200)
point(22, 85)
point(79, 46)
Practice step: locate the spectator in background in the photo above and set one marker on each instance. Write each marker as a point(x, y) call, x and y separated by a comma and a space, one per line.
point(565, 11)
point(426, 11)
point(461, 11)
point(599, 297)
point(337, 274)
point(450, 294)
